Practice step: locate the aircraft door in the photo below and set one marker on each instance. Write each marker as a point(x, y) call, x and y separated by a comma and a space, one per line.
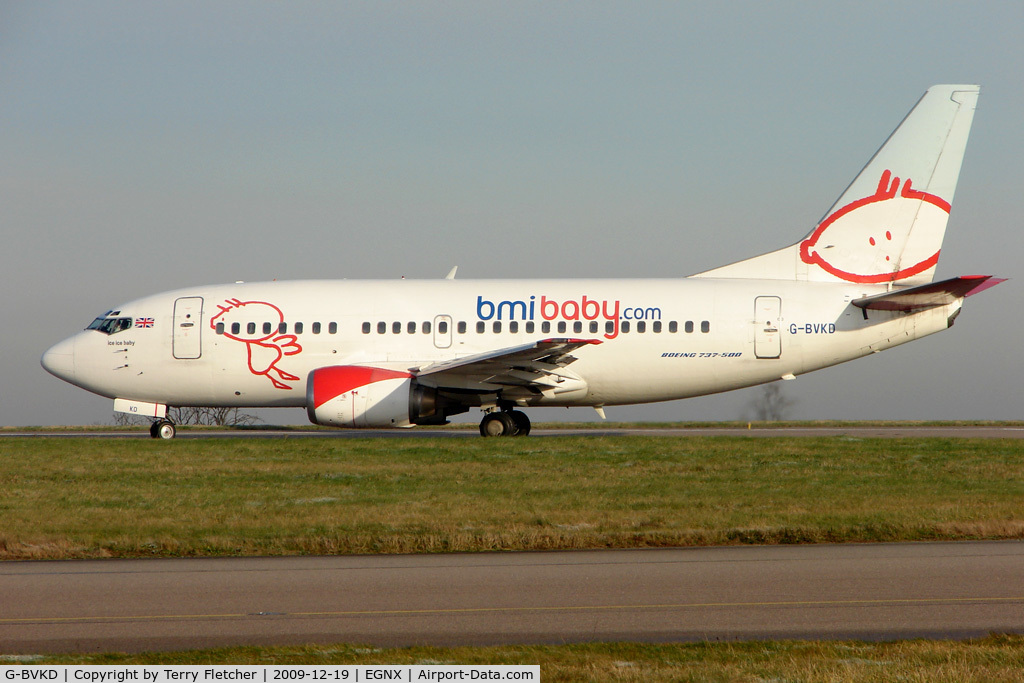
point(767, 327)
point(188, 327)
point(443, 331)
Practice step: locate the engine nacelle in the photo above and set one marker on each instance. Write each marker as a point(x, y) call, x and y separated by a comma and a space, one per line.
point(361, 396)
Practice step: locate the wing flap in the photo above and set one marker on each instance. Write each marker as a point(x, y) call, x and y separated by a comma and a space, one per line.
point(534, 368)
point(553, 352)
point(927, 296)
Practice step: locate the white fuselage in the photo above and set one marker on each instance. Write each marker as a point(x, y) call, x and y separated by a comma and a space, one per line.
point(254, 344)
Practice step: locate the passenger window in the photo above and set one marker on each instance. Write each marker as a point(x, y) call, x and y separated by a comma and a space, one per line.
point(298, 328)
point(481, 327)
point(316, 328)
point(673, 327)
point(656, 327)
point(705, 326)
point(411, 328)
point(545, 327)
point(641, 327)
point(513, 327)
point(442, 327)
point(282, 328)
point(624, 326)
point(220, 328)
point(396, 328)
point(382, 327)
point(689, 327)
point(577, 327)
point(367, 328)
point(462, 327)
point(332, 328)
point(250, 328)
point(267, 328)
point(529, 327)
point(561, 327)
point(236, 328)
point(497, 326)
point(593, 327)
point(426, 327)
point(609, 327)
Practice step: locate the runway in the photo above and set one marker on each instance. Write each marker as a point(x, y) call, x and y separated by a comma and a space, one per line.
point(879, 591)
point(894, 431)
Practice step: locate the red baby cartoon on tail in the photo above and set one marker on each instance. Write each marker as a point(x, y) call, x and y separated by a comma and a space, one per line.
point(890, 235)
point(264, 349)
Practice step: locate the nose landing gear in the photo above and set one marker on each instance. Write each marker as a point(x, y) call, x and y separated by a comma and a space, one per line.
point(505, 423)
point(162, 429)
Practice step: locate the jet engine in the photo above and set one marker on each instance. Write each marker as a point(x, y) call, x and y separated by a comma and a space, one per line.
point(361, 396)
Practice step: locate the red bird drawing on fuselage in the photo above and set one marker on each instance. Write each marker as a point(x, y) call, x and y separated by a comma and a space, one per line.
point(264, 349)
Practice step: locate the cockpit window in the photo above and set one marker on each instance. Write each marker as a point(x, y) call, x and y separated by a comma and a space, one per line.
point(110, 325)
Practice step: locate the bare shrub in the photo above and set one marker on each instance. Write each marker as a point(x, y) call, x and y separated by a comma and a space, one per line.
point(193, 415)
point(769, 404)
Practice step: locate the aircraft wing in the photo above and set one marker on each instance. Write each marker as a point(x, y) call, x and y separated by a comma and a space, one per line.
point(534, 368)
point(928, 296)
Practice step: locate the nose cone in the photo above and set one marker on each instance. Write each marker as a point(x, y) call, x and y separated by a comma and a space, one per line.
point(59, 360)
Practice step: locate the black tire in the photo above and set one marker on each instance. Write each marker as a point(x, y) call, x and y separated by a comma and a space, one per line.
point(162, 429)
point(521, 421)
point(497, 424)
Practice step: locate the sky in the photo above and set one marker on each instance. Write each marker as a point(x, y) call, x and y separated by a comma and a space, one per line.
point(149, 146)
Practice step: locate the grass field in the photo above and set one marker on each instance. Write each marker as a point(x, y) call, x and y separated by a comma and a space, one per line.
point(81, 497)
point(603, 425)
point(996, 658)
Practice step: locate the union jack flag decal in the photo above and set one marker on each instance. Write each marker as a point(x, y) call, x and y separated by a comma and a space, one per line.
point(143, 322)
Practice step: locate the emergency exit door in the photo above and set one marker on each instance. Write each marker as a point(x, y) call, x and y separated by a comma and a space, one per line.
point(188, 327)
point(767, 327)
point(443, 331)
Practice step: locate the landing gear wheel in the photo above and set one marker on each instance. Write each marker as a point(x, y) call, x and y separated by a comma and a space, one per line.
point(522, 422)
point(162, 429)
point(497, 424)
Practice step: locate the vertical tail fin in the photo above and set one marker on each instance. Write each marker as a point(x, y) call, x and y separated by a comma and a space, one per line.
point(888, 225)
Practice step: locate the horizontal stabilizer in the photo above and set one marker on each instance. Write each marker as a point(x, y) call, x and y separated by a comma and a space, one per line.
point(928, 296)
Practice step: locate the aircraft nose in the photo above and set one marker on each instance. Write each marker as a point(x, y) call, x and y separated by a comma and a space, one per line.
point(59, 360)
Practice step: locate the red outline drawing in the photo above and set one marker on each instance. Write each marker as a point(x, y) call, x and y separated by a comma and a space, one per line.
point(887, 187)
point(263, 350)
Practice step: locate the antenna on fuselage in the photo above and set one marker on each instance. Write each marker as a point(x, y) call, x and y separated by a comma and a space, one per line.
point(451, 273)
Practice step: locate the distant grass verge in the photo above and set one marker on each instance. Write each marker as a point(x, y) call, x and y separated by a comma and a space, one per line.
point(593, 424)
point(995, 658)
point(83, 498)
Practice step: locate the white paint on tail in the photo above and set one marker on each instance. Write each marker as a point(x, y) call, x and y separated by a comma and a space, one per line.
point(888, 225)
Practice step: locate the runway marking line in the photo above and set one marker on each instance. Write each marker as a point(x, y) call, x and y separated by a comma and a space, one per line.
point(484, 610)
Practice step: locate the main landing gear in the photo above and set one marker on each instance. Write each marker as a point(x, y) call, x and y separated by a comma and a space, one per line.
point(162, 429)
point(505, 423)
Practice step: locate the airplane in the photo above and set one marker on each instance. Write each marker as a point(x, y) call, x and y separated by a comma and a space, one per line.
point(383, 354)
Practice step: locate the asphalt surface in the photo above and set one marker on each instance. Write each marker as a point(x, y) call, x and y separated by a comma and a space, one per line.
point(883, 591)
point(888, 431)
